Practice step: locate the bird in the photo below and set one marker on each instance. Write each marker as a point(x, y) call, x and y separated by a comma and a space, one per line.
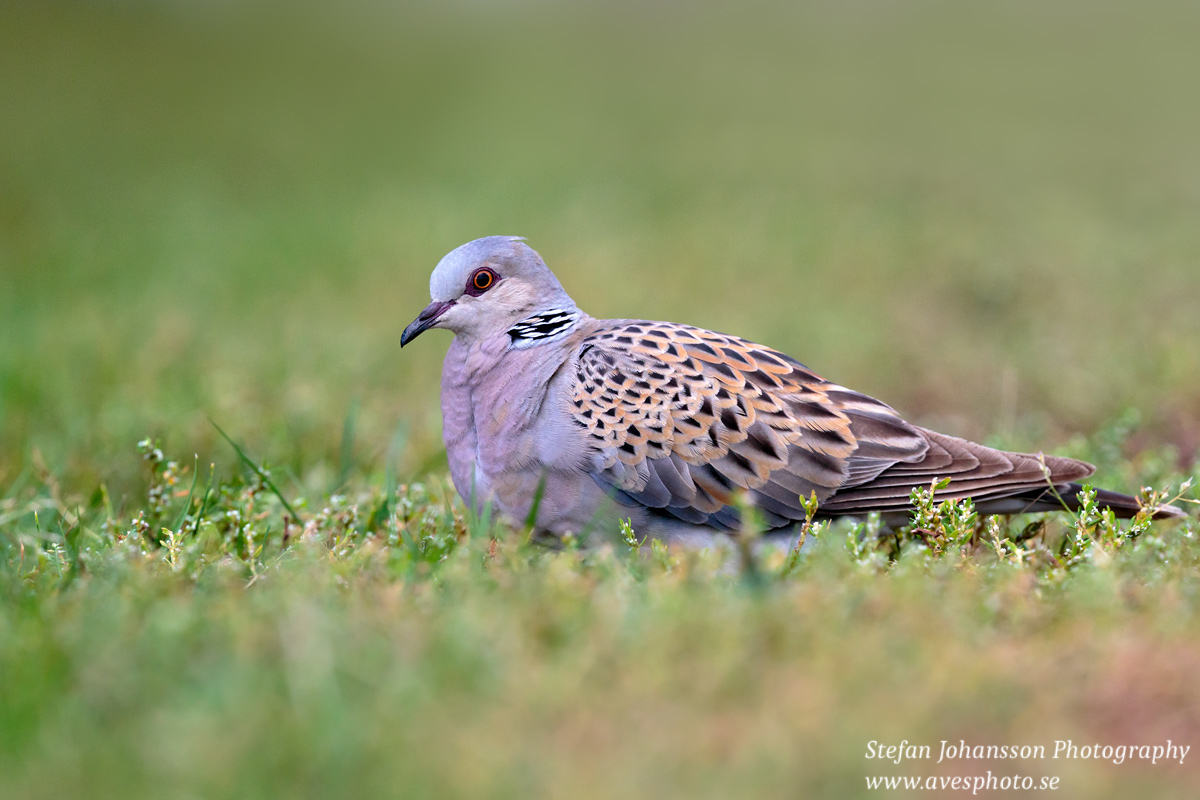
point(571, 424)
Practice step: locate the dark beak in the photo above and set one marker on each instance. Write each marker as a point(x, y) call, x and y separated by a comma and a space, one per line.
point(425, 321)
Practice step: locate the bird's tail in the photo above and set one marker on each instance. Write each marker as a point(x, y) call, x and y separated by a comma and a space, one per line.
point(1066, 496)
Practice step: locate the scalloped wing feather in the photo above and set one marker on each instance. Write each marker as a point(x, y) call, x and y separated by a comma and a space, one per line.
point(682, 419)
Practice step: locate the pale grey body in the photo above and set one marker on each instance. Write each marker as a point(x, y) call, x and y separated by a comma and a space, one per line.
point(503, 441)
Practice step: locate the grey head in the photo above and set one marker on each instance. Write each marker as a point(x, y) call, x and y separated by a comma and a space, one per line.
point(486, 287)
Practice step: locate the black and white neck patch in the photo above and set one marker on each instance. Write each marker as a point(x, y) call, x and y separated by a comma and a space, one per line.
point(540, 327)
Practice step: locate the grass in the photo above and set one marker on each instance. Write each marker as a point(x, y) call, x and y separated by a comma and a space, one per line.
point(369, 645)
point(984, 216)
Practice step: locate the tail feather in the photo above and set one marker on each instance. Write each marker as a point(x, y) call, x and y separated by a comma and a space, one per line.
point(1123, 505)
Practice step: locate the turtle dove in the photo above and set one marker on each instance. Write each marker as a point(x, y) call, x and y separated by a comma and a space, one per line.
point(592, 420)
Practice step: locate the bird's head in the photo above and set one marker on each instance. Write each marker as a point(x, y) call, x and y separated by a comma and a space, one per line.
point(484, 287)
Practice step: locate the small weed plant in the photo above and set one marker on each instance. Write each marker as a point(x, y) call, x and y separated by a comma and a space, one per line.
point(188, 525)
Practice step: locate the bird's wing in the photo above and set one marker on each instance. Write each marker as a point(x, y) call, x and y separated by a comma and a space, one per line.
point(981, 473)
point(681, 419)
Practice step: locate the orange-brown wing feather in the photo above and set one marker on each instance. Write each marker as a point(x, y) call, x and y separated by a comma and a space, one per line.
point(682, 418)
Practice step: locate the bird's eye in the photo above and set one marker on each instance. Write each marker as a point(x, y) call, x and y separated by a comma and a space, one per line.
point(482, 280)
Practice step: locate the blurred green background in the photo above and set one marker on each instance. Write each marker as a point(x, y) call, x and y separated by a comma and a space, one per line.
point(984, 214)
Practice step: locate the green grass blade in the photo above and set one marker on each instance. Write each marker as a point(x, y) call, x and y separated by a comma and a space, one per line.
point(188, 504)
point(262, 473)
point(346, 458)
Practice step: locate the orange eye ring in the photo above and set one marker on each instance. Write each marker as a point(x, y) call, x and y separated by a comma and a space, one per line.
point(482, 280)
